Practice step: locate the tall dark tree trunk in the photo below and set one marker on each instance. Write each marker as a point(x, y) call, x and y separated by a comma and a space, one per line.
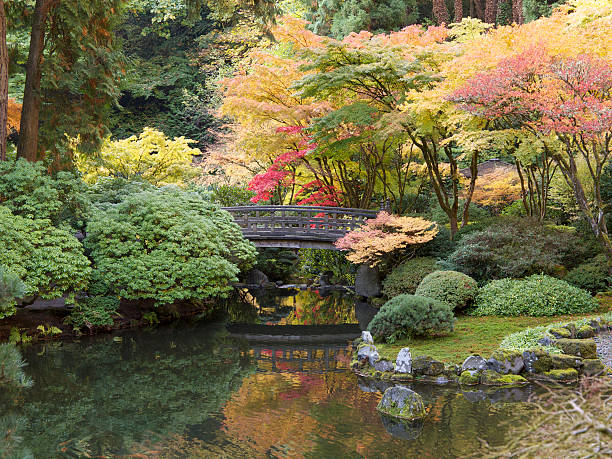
point(480, 12)
point(458, 10)
point(30, 113)
point(440, 12)
point(491, 11)
point(4, 64)
point(518, 16)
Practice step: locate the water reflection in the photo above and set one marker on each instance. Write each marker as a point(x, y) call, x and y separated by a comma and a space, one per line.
point(193, 391)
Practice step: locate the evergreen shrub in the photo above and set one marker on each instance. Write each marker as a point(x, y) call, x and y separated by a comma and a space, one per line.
point(456, 289)
point(406, 277)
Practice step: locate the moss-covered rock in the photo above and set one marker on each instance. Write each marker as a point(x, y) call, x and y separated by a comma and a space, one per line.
point(401, 402)
point(585, 331)
point(560, 332)
point(537, 360)
point(568, 374)
point(584, 348)
point(563, 361)
point(592, 367)
point(506, 361)
point(492, 378)
point(427, 366)
point(469, 378)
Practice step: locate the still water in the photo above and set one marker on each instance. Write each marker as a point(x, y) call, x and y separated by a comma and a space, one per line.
point(192, 390)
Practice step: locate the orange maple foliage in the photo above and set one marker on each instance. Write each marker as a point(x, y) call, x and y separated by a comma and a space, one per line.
point(14, 116)
point(497, 189)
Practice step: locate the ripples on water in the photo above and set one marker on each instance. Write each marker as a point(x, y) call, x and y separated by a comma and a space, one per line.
point(194, 391)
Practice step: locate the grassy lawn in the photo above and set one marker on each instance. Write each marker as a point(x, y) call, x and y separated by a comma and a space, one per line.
point(472, 335)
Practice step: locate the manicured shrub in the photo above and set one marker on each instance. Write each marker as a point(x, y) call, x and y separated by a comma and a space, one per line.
point(409, 316)
point(406, 277)
point(537, 295)
point(517, 248)
point(592, 275)
point(49, 260)
point(94, 311)
point(28, 190)
point(456, 289)
point(11, 288)
point(228, 195)
point(166, 245)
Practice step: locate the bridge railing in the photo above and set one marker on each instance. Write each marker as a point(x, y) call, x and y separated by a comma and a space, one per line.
point(313, 222)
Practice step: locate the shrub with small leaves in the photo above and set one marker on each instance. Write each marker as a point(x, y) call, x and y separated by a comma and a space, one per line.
point(411, 315)
point(94, 311)
point(456, 289)
point(167, 245)
point(406, 277)
point(11, 288)
point(592, 275)
point(537, 295)
point(49, 260)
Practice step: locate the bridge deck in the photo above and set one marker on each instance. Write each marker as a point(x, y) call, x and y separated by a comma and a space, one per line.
point(297, 226)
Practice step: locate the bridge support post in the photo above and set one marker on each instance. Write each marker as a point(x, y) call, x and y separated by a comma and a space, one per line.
point(367, 281)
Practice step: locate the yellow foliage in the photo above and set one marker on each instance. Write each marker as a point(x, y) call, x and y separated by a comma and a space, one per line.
point(14, 115)
point(497, 188)
point(151, 156)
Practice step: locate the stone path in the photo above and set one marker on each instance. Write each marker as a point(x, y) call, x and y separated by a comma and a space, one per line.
point(604, 348)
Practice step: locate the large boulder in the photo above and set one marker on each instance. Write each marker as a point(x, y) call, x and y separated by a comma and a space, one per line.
point(256, 278)
point(474, 362)
point(367, 282)
point(366, 337)
point(563, 361)
point(368, 353)
point(469, 378)
point(425, 365)
point(403, 362)
point(566, 375)
point(503, 361)
point(585, 348)
point(401, 402)
point(383, 365)
point(492, 378)
point(537, 361)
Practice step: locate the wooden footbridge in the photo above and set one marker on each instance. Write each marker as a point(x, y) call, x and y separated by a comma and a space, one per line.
point(297, 226)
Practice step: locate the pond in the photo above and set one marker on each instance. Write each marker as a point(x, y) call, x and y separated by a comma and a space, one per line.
point(194, 390)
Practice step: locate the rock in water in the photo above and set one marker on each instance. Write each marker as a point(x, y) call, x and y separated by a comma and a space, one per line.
point(369, 353)
point(367, 282)
point(383, 365)
point(474, 362)
point(403, 363)
point(366, 337)
point(407, 430)
point(403, 403)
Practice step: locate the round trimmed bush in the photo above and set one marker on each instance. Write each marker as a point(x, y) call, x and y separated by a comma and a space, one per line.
point(592, 275)
point(537, 295)
point(456, 289)
point(411, 315)
point(406, 277)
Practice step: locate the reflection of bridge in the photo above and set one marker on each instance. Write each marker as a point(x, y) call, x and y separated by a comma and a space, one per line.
point(297, 226)
point(310, 359)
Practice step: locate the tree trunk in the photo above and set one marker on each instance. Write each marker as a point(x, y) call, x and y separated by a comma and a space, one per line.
point(491, 11)
point(479, 9)
point(4, 64)
point(518, 16)
point(30, 112)
point(440, 12)
point(458, 10)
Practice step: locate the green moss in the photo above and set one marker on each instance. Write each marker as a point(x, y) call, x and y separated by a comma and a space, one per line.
point(543, 364)
point(492, 378)
point(568, 374)
point(592, 367)
point(469, 379)
point(563, 361)
point(584, 348)
point(560, 332)
point(585, 331)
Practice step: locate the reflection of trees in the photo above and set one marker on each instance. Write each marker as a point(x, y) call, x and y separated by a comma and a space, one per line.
point(107, 396)
point(313, 308)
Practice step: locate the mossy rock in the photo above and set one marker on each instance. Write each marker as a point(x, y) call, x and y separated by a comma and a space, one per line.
point(560, 332)
point(585, 331)
point(469, 378)
point(563, 361)
point(492, 378)
point(403, 403)
point(593, 367)
point(568, 374)
point(584, 348)
point(425, 365)
point(543, 363)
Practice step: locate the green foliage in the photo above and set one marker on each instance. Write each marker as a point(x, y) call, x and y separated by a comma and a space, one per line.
point(517, 248)
point(167, 245)
point(409, 316)
point(276, 263)
point(534, 9)
point(49, 260)
point(537, 295)
point(229, 195)
point(109, 191)
point(593, 275)
point(94, 311)
point(451, 287)
point(11, 367)
point(338, 18)
point(27, 189)
point(406, 277)
point(11, 288)
point(314, 262)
